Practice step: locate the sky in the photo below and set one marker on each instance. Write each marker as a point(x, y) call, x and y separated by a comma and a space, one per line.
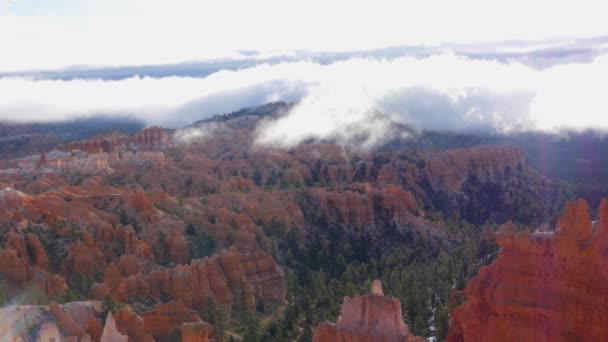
point(487, 65)
point(59, 33)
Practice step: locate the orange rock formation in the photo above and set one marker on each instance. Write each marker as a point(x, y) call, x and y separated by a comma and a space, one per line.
point(24, 261)
point(196, 332)
point(543, 286)
point(449, 169)
point(150, 138)
point(230, 277)
point(130, 324)
point(166, 317)
point(372, 317)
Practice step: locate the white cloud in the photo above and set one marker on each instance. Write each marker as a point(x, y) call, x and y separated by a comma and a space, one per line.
point(49, 34)
point(339, 100)
point(444, 93)
point(172, 101)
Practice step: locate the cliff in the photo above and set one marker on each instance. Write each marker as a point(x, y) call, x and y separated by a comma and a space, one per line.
point(372, 317)
point(149, 138)
point(166, 317)
point(24, 261)
point(386, 216)
point(543, 287)
point(230, 277)
point(196, 332)
point(449, 169)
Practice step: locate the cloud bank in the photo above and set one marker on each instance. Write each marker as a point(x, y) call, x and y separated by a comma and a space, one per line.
point(340, 100)
point(444, 92)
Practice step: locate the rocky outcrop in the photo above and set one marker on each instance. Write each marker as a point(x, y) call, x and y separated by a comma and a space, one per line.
point(135, 246)
point(97, 145)
point(196, 332)
point(361, 207)
point(141, 207)
point(449, 169)
point(267, 209)
point(24, 261)
point(384, 216)
point(12, 200)
point(178, 248)
point(38, 256)
point(166, 317)
point(94, 328)
point(372, 317)
point(85, 257)
point(52, 285)
point(110, 333)
point(150, 138)
point(352, 209)
point(543, 286)
point(117, 242)
point(12, 266)
point(29, 249)
point(234, 228)
point(130, 324)
point(229, 277)
point(66, 323)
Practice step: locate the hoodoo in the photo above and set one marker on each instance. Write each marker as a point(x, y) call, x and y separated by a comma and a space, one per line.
point(373, 317)
point(543, 286)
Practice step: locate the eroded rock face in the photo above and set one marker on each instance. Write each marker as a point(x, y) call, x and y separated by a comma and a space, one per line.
point(168, 316)
point(361, 208)
point(196, 332)
point(94, 328)
point(130, 324)
point(384, 216)
point(449, 169)
point(543, 286)
point(85, 257)
point(153, 137)
point(67, 324)
point(372, 317)
point(24, 261)
point(178, 248)
point(150, 138)
point(229, 277)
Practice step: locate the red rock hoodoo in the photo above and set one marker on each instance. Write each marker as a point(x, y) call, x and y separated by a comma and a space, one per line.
point(150, 138)
point(130, 324)
point(24, 261)
point(196, 332)
point(372, 317)
point(543, 286)
point(166, 317)
point(230, 277)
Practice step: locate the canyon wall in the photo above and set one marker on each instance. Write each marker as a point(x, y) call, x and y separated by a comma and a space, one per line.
point(231, 278)
point(543, 287)
point(149, 138)
point(449, 169)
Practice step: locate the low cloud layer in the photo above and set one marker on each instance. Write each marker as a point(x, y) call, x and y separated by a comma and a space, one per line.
point(341, 100)
point(445, 92)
